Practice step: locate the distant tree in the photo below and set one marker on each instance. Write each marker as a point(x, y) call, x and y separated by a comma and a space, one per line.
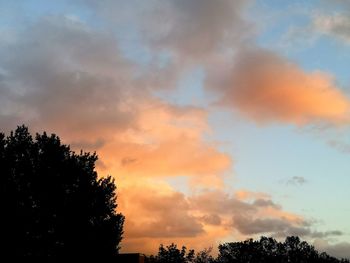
point(246, 251)
point(52, 203)
point(297, 251)
point(265, 250)
point(270, 251)
point(325, 258)
point(204, 256)
point(172, 254)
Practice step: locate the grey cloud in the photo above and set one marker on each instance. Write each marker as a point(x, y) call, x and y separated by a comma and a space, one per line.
point(245, 219)
point(305, 231)
point(128, 161)
point(340, 250)
point(176, 215)
point(211, 219)
point(244, 215)
point(330, 20)
point(249, 226)
point(340, 145)
point(218, 202)
point(334, 25)
point(62, 76)
point(188, 28)
point(296, 180)
point(265, 203)
point(199, 27)
point(278, 227)
point(170, 217)
point(317, 234)
point(87, 145)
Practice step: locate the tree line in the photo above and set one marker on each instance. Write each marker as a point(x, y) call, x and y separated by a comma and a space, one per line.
point(264, 250)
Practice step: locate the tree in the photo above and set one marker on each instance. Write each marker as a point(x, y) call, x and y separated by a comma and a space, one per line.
point(171, 254)
point(53, 204)
point(204, 256)
point(267, 249)
point(292, 250)
point(298, 251)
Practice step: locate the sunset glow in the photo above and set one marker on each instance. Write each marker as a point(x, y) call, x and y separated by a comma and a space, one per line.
point(220, 120)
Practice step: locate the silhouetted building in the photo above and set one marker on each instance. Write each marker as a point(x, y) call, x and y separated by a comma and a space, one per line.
point(131, 258)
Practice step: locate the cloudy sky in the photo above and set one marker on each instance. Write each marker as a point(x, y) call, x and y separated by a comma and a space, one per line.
point(219, 119)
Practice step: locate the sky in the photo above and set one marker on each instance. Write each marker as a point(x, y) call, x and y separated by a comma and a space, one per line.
point(220, 120)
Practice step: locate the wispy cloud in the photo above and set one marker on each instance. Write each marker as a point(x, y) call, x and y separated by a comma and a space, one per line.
point(296, 180)
point(333, 25)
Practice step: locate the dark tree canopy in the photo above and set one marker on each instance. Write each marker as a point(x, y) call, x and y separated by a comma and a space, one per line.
point(292, 250)
point(172, 254)
point(265, 250)
point(52, 203)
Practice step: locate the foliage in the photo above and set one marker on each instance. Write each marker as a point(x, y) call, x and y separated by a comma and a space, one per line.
point(269, 250)
point(265, 250)
point(204, 256)
point(171, 254)
point(53, 204)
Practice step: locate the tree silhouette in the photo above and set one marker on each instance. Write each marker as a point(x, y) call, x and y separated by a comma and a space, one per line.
point(292, 250)
point(204, 256)
point(265, 250)
point(53, 205)
point(171, 254)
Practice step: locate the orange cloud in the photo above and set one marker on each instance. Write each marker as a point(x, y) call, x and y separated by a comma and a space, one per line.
point(166, 141)
point(159, 214)
point(156, 213)
point(268, 88)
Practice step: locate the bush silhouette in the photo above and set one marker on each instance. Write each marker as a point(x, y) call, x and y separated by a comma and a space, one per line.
point(53, 205)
